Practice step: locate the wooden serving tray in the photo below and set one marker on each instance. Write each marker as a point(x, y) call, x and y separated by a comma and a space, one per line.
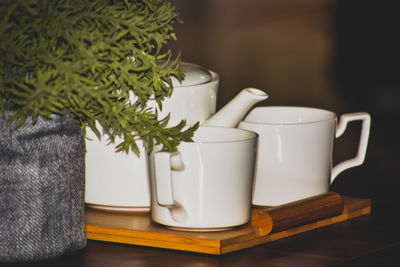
point(139, 229)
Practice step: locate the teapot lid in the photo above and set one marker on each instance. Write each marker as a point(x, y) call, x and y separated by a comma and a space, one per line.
point(195, 75)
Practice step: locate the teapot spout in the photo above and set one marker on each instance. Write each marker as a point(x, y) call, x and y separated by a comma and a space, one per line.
point(233, 112)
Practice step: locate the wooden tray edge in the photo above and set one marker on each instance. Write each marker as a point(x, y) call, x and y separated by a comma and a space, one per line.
point(354, 207)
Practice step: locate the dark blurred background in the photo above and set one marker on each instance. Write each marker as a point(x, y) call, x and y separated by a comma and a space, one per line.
point(337, 55)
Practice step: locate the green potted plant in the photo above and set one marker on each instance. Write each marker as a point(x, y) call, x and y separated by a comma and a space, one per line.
point(68, 65)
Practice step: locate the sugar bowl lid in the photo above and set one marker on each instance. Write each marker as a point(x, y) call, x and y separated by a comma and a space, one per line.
point(195, 75)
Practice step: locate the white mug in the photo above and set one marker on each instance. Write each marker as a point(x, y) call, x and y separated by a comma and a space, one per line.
point(206, 184)
point(294, 158)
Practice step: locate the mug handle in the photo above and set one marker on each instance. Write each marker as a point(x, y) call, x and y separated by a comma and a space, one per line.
point(362, 146)
point(164, 163)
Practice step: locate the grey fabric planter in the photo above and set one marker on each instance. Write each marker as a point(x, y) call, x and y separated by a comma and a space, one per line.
point(42, 176)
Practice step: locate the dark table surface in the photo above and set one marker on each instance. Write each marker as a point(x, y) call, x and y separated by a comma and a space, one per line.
point(371, 240)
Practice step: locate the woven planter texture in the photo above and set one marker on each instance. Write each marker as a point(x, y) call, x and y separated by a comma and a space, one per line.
point(42, 176)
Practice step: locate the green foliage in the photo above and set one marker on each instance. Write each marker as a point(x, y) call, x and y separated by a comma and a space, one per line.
point(100, 60)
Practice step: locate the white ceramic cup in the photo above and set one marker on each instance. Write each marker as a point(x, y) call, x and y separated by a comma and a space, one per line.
point(117, 181)
point(294, 158)
point(207, 184)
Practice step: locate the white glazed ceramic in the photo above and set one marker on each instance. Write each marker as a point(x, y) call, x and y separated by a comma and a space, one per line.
point(116, 181)
point(233, 112)
point(207, 184)
point(193, 100)
point(294, 158)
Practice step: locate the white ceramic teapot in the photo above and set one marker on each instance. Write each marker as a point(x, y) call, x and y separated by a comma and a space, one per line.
point(117, 181)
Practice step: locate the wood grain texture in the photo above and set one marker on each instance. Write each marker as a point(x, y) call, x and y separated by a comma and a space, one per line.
point(138, 229)
point(353, 207)
point(276, 219)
